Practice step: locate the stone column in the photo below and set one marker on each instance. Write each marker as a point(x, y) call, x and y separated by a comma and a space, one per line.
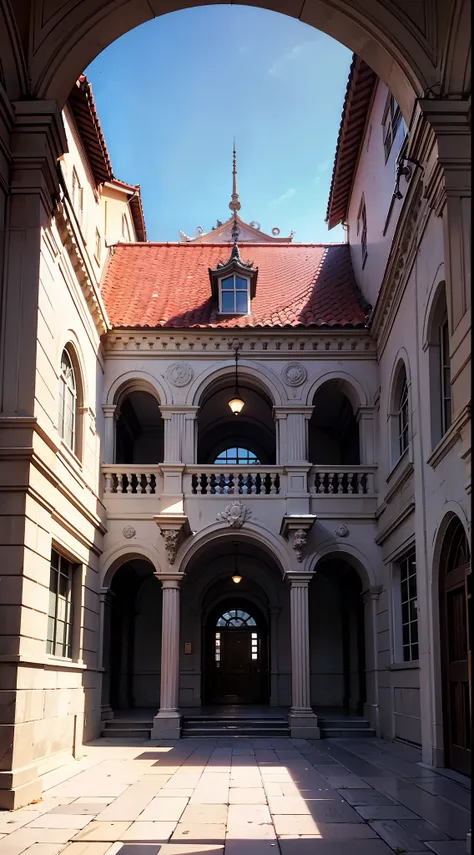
point(110, 418)
point(292, 434)
point(106, 596)
point(167, 722)
point(179, 424)
point(274, 670)
point(365, 420)
point(302, 720)
point(371, 708)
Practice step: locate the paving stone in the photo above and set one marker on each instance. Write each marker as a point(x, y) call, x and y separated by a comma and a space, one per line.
point(451, 847)
point(152, 831)
point(351, 781)
point(103, 831)
point(324, 811)
point(252, 847)
point(296, 824)
point(302, 846)
point(398, 837)
point(423, 830)
point(208, 814)
point(175, 794)
point(248, 814)
point(44, 849)
point(247, 795)
point(385, 812)
point(163, 809)
point(365, 797)
point(131, 803)
point(209, 832)
point(58, 820)
point(85, 848)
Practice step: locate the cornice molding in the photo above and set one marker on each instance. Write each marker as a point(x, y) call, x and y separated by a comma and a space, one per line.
point(69, 238)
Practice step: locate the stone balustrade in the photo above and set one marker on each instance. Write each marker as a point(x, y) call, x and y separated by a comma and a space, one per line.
point(343, 480)
point(133, 480)
point(231, 480)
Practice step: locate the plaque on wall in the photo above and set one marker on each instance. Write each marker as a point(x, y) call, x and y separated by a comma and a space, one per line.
point(188, 647)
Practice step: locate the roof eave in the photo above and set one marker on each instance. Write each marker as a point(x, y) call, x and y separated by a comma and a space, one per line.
point(82, 105)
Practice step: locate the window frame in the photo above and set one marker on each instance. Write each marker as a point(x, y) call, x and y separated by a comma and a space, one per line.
point(77, 197)
point(238, 461)
point(69, 612)
point(445, 402)
point(390, 123)
point(234, 291)
point(64, 387)
point(362, 229)
point(403, 417)
point(404, 576)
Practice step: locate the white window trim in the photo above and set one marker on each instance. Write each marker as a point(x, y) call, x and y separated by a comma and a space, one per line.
point(362, 229)
point(396, 653)
point(390, 124)
point(231, 314)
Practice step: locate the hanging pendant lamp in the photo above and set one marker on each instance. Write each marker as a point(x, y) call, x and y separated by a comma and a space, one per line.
point(236, 578)
point(236, 403)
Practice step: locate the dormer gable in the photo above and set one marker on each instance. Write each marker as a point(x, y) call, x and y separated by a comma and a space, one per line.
point(234, 282)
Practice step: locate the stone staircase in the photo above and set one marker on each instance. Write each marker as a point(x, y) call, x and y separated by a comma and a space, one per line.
point(235, 725)
point(129, 727)
point(344, 726)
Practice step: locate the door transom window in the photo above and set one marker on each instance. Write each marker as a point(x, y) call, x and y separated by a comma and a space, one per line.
point(236, 617)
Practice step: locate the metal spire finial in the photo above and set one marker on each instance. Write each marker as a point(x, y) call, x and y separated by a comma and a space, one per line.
point(234, 204)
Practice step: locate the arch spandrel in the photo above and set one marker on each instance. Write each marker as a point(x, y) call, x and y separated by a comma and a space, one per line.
point(260, 375)
point(67, 40)
point(351, 387)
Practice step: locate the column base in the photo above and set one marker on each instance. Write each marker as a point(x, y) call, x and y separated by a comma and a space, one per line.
point(106, 712)
point(303, 724)
point(166, 725)
point(16, 792)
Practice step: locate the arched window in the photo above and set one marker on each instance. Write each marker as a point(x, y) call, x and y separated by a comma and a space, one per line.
point(67, 401)
point(236, 617)
point(399, 415)
point(439, 367)
point(237, 457)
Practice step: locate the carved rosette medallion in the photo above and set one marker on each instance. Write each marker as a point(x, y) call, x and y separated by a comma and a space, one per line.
point(299, 543)
point(341, 530)
point(179, 374)
point(294, 374)
point(171, 538)
point(129, 532)
point(235, 513)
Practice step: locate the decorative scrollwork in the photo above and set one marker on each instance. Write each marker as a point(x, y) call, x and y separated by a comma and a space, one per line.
point(129, 532)
point(180, 374)
point(294, 374)
point(235, 513)
point(299, 543)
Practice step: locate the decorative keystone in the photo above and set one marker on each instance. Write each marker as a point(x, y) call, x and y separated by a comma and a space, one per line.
point(235, 513)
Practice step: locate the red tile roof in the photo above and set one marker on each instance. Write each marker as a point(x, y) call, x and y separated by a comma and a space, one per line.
point(359, 91)
point(167, 285)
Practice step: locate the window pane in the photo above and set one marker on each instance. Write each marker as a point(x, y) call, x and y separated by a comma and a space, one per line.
point(228, 284)
point(227, 301)
point(240, 283)
point(241, 301)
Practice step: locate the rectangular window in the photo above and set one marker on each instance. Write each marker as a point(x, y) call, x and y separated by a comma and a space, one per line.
point(362, 230)
point(445, 369)
point(390, 123)
point(77, 197)
point(409, 608)
point(98, 245)
point(59, 634)
point(234, 295)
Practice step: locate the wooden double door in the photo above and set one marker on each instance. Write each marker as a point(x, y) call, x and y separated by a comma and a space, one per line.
point(455, 614)
point(236, 669)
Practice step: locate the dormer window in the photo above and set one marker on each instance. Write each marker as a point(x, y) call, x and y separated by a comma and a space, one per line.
point(234, 295)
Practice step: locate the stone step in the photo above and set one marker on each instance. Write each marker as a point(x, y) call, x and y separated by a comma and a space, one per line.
point(126, 733)
point(346, 732)
point(343, 722)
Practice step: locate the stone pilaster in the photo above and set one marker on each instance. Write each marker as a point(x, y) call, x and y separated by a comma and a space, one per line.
point(110, 420)
point(371, 707)
point(302, 720)
point(167, 722)
point(106, 597)
point(292, 434)
point(365, 420)
point(179, 424)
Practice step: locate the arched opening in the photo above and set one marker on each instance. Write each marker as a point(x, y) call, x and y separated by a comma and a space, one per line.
point(455, 621)
point(231, 596)
point(139, 429)
point(337, 637)
point(71, 401)
point(237, 445)
point(132, 651)
point(437, 342)
point(399, 415)
point(333, 428)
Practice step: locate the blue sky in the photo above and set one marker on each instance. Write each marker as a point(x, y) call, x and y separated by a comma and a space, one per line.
point(172, 94)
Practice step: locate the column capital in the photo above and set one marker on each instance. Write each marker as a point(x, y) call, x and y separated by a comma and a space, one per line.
point(169, 580)
point(174, 528)
point(372, 593)
point(110, 410)
point(38, 141)
point(283, 412)
point(171, 409)
point(298, 580)
point(365, 411)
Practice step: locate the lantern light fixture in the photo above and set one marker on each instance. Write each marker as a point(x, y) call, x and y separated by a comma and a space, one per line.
point(236, 577)
point(236, 403)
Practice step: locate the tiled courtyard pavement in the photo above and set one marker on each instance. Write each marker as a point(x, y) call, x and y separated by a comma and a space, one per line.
point(243, 797)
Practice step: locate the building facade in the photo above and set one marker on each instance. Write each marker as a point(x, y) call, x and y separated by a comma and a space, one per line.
point(310, 551)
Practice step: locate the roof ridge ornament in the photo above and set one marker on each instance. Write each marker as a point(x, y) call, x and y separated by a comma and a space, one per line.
point(234, 203)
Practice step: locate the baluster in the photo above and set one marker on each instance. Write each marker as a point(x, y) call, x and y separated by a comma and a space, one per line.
point(356, 483)
point(317, 483)
point(231, 483)
point(204, 484)
point(240, 483)
point(152, 483)
point(268, 484)
point(129, 487)
point(147, 488)
point(364, 483)
point(276, 483)
point(108, 483)
point(327, 482)
point(194, 484)
point(212, 485)
point(344, 483)
point(258, 483)
point(249, 483)
point(222, 484)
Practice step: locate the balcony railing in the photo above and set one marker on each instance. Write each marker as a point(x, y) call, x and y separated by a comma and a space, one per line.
point(129, 479)
point(342, 480)
point(230, 480)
